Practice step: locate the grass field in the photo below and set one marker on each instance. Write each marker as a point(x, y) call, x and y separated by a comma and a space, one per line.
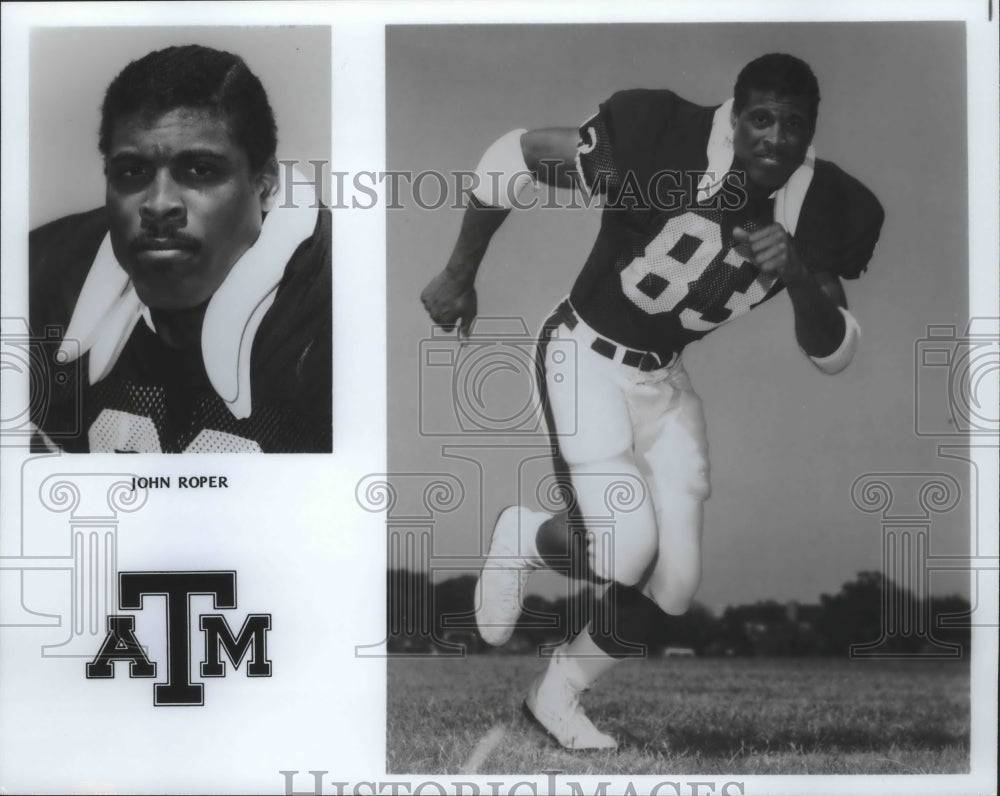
point(688, 716)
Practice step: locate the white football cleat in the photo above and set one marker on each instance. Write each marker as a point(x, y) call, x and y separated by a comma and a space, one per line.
point(498, 592)
point(553, 702)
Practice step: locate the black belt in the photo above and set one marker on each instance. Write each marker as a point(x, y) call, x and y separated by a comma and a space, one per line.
point(643, 360)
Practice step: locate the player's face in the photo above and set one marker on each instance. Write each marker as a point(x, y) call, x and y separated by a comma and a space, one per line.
point(771, 135)
point(182, 204)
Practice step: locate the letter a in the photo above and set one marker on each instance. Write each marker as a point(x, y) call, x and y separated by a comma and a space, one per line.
point(121, 645)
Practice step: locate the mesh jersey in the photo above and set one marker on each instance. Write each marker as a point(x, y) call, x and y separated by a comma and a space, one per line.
point(159, 399)
point(664, 270)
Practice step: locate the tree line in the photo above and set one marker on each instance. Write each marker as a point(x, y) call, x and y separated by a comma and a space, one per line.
point(869, 615)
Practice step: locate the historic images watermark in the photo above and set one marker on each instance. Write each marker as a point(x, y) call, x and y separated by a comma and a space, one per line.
point(666, 190)
point(954, 407)
point(62, 572)
point(62, 564)
point(479, 403)
point(552, 784)
point(956, 368)
point(501, 432)
point(29, 362)
point(500, 350)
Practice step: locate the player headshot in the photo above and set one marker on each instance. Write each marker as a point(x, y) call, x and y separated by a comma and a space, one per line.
point(708, 212)
point(192, 311)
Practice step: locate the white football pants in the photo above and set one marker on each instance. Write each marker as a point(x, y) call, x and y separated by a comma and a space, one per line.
point(636, 449)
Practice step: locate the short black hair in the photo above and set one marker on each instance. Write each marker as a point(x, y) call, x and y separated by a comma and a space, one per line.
point(780, 74)
point(199, 77)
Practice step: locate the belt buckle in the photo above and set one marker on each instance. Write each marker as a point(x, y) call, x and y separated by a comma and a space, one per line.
point(650, 361)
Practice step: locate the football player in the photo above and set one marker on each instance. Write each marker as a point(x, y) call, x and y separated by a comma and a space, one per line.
point(708, 212)
point(192, 312)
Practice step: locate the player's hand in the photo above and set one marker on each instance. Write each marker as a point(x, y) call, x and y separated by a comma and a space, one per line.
point(450, 299)
point(772, 250)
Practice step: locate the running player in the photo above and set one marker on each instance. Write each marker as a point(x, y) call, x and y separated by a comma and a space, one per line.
point(708, 212)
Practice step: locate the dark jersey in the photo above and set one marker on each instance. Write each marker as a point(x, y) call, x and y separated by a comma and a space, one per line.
point(159, 399)
point(665, 270)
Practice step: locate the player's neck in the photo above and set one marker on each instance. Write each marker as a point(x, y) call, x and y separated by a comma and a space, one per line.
point(180, 329)
point(757, 194)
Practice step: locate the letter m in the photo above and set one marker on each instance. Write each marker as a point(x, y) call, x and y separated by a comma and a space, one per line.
point(601, 789)
point(218, 637)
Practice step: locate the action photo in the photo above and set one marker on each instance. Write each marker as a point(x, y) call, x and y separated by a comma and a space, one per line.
point(672, 498)
point(180, 274)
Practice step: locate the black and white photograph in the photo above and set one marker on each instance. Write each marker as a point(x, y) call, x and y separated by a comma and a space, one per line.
point(180, 273)
point(175, 624)
point(658, 538)
point(640, 362)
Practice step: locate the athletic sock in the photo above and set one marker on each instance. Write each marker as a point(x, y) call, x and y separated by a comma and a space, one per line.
point(622, 623)
point(583, 662)
point(562, 544)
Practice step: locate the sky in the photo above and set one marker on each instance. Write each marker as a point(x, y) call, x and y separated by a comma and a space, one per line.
point(786, 441)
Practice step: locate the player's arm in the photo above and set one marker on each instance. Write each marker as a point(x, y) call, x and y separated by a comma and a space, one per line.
point(506, 172)
point(824, 329)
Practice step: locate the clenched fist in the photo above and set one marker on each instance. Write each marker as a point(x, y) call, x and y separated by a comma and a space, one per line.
point(451, 299)
point(772, 250)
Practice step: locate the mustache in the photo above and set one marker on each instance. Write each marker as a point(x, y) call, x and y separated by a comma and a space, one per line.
point(173, 240)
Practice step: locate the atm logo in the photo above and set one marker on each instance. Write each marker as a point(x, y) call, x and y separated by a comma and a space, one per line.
point(121, 643)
